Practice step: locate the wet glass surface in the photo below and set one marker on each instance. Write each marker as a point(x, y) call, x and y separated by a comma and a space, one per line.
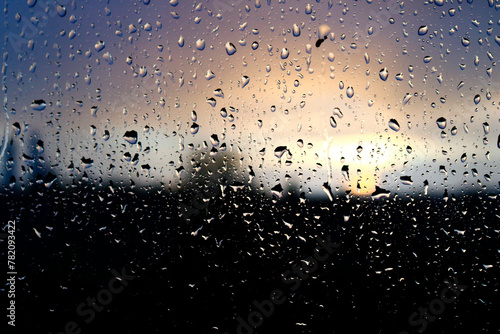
point(250, 166)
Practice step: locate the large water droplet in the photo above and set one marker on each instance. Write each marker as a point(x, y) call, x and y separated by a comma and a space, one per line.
point(394, 125)
point(38, 105)
point(384, 73)
point(279, 151)
point(99, 46)
point(441, 122)
point(200, 44)
point(350, 92)
point(423, 30)
point(194, 128)
point(477, 99)
point(284, 53)
point(323, 31)
point(130, 137)
point(244, 81)
point(230, 49)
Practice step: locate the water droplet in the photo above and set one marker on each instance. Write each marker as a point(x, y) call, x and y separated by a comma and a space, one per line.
point(277, 190)
point(284, 53)
point(194, 128)
point(345, 172)
point(212, 101)
point(427, 59)
point(38, 105)
point(296, 30)
point(337, 112)
point(61, 10)
point(463, 158)
point(406, 180)
point(407, 98)
point(223, 112)
point(409, 149)
point(380, 193)
point(423, 30)
point(441, 122)
point(244, 81)
point(350, 92)
point(86, 162)
point(384, 73)
point(486, 128)
point(180, 42)
point(323, 31)
point(439, 2)
point(477, 99)
point(255, 45)
point(333, 123)
point(130, 137)
point(394, 125)
point(99, 46)
point(279, 151)
point(200, 44)
point(230, 49)
point(465, 41)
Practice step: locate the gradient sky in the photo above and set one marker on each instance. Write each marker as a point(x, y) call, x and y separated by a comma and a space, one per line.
point(286, 100)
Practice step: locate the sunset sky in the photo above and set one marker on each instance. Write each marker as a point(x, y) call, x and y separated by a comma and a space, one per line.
point(162, 60)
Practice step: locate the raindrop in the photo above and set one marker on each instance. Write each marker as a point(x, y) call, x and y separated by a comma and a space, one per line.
point(86, 162)
point(441, 122)
point(38, 105)
point(230, 49)
point(477, 99)
point(200, 44)
point(384, 73)
point(394, 125)
point(333, 123)
point(279, 151)
point(345, 172)
point(486, 128)
point(130, 137)
point(423, 30)
point(194, 128)
point(284, 53)
point(350, 92)
point(406, 180)
point(296, 30)
point(380, 193)
point(277, 191)
point(337, 112)
point(465, 41)
point(99, 46)
point(61, 10)
point(244, 81)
